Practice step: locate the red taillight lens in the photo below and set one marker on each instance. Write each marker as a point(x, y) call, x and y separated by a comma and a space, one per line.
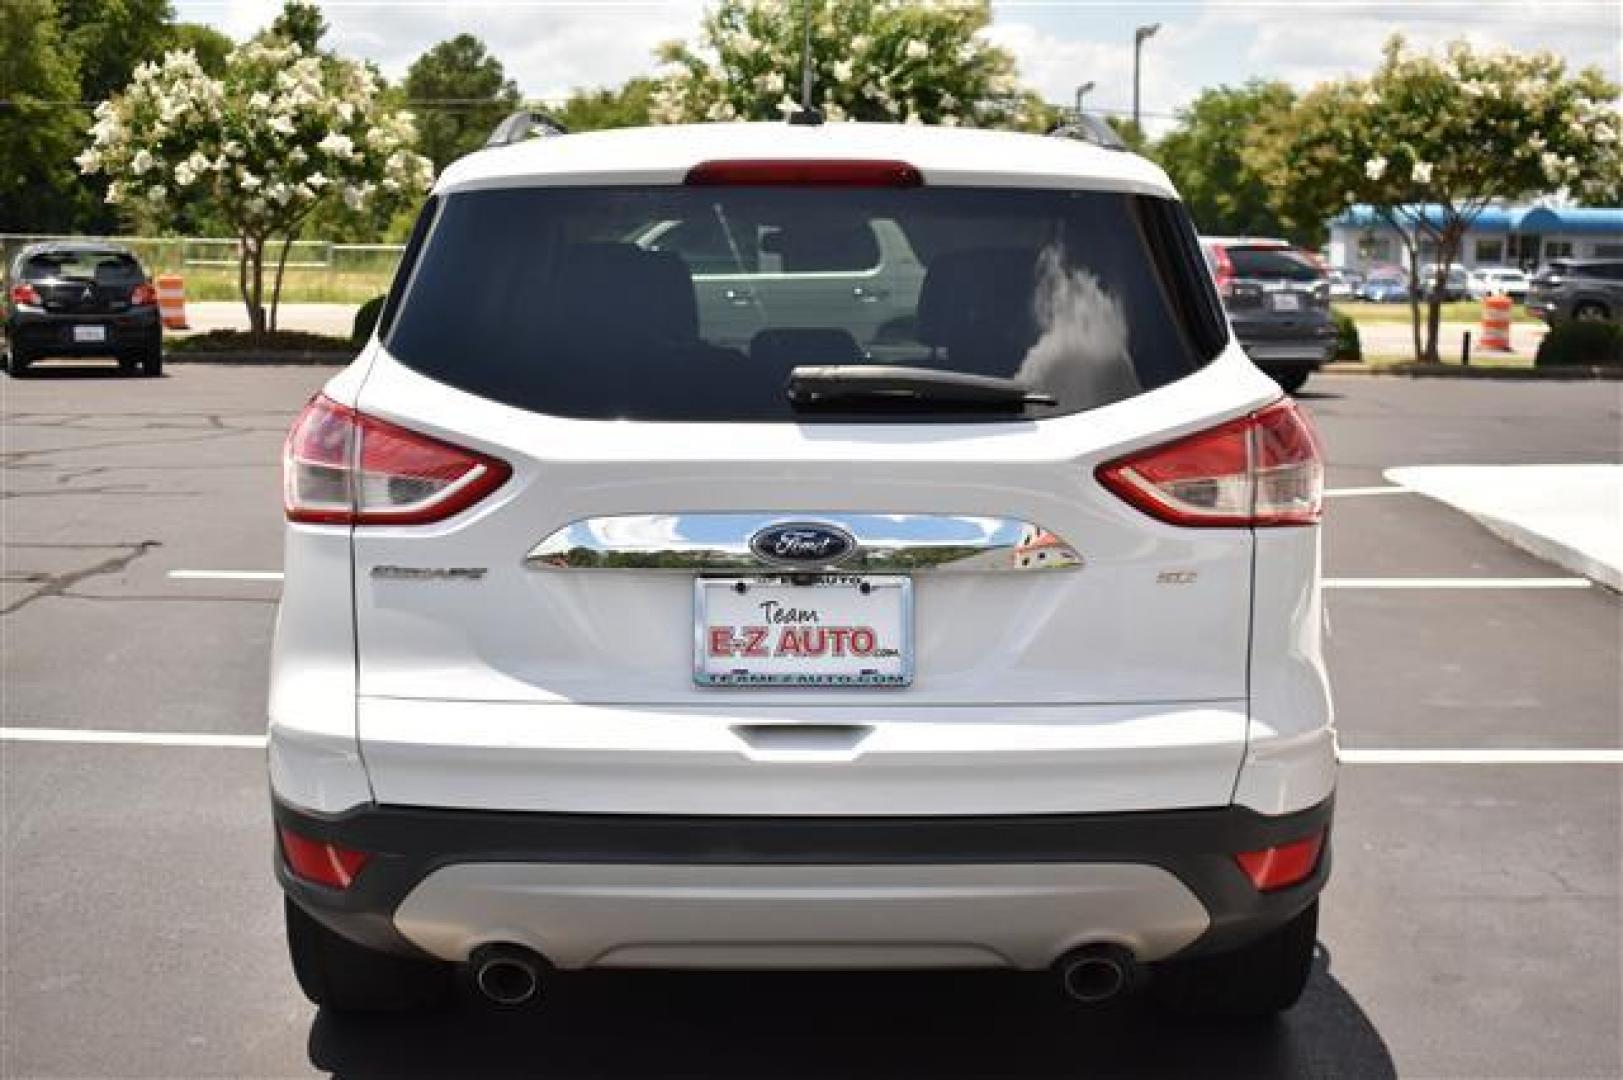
point(319, 861)
point(1223, 271)
point(143, 294)
point(766, 172)
point(344, 468)
point(1283, 866)
point(1264, 469)
point(24, 294)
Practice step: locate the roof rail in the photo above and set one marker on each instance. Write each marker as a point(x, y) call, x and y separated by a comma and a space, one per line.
point(524, 124)
point(1088, 129)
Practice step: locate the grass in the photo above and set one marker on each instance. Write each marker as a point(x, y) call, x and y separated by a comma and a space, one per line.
point(1455, 311)
point(313, 285)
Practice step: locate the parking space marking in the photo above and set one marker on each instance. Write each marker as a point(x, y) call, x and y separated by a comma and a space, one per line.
point(1355, 492)
point(132, 738)
point(1458, 583)
point(226, 575)
point(1349, 756)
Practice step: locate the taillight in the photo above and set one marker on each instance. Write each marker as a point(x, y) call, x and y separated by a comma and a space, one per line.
point(1282, 866)
point(319, 861)
point(143, 294)
point(341, 467)
point(1263, 469)
point(24, 294)
point(772, 172)
point(1223, 272)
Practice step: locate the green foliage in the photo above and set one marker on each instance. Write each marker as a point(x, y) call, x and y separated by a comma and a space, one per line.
point(596, 110)
point(38, 191)
point(236, 341)
point(1455, 131)
point(1581, 344)
point(366, 320)
point(110, 37)
point(1132, 134)
point(873, 60)
point(300, 23)
point(210, 46)
point(474, 89)
point(1204, 156)
point(1349, 348)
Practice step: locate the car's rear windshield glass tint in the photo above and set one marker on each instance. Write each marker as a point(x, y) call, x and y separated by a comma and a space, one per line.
point(102, 267)
point(677, 303)
point(1273, 263)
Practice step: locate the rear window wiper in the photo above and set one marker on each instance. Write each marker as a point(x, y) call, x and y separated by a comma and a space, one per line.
point(810, 387)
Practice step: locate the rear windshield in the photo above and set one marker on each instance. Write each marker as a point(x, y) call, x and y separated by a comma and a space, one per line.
point(101, 267)
point(1277, 264)
point(675, 303)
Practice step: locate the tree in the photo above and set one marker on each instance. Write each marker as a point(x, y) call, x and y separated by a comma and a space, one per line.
point(1429, 142)
point(873, 60)
point(38, 133)
point(209, 45)
point(110, 37)
point(300, 22)
point(594, 110)
point(278, 136)
point(1204, 156)
point(473, 93)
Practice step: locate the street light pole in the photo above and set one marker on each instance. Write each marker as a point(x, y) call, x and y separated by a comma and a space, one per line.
point(1081, 90)
point(1140, 36)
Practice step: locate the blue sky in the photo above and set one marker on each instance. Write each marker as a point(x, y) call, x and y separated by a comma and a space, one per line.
point(550, 46)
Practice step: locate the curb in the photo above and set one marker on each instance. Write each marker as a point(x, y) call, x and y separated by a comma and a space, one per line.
point(1455, 371)
point(1553, 551)
point(301, 358)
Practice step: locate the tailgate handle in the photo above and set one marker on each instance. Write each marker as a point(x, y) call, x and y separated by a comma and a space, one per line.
point(802, 742)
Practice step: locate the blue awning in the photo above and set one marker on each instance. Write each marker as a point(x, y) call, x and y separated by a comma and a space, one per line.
point(1535, 220)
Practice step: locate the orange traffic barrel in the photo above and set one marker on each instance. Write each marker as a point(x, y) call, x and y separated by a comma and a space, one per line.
point(171, 300)
point(1495, 323)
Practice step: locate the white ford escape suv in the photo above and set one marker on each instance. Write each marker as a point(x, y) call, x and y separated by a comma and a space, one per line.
point(671, 584)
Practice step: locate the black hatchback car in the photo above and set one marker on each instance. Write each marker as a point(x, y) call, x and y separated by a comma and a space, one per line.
point(1278, 300)
point(80, 298)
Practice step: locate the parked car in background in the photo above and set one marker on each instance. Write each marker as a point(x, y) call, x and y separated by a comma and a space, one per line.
point(614, 637)
point(1456, 282)
point(79, 298)
point(1344, 284)
point(1569, 289)
point(1385, 287)
point(1499, 281)
point(1278, 301)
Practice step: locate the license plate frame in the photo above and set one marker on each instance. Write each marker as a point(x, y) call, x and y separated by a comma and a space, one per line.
point(89, 335)
point(889, 666)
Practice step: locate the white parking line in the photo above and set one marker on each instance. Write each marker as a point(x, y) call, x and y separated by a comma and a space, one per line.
point(131, 738)
point(226, 575)
point(1349, 756)
point(1458, 583)
point(1354, 492)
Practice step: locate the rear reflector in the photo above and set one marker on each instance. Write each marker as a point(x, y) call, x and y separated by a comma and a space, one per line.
point(1265, 469)
point(24, 294)
point(340, 467)
point(320, 862)
point(1282, 866)
point(765, 172)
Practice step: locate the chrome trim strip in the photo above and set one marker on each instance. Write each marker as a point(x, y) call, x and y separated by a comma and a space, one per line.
point(886, 543)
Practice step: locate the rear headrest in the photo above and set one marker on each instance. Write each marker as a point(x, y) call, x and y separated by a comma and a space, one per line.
point(979, 301)
point(615, 291)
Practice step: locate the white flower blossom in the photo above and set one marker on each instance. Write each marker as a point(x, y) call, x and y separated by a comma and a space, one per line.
point(141, 162)
point(916, 50)
point(1375, 167)
point(282, 125)
point(843, 70)
point(336, 145)
point(1420, 172)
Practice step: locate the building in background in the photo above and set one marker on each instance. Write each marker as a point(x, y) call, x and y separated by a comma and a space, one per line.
point(1520, 236)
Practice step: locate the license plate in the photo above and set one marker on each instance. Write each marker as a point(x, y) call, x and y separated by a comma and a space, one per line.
point(1287, 302)
point(830, 630)
point(85, 335)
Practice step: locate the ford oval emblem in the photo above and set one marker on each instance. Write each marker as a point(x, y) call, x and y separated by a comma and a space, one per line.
point(802, 543)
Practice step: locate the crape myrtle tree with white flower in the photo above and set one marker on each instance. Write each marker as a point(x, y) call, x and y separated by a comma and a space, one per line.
point(283, 132)
point(924, 61)
point(1430, 141)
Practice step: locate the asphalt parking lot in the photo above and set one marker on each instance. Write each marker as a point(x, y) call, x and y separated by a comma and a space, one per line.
point(1472, 927)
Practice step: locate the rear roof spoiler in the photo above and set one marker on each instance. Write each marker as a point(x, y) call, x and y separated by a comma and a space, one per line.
point(522, 125)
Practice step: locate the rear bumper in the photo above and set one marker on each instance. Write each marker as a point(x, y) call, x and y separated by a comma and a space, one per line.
point(647, 890)
point(45, 333)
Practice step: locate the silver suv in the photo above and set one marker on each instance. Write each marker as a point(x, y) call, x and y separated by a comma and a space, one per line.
point(1578, 289)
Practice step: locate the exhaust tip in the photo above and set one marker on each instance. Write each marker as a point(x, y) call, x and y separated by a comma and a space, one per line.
point(1095, 974)
point(507, 975)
